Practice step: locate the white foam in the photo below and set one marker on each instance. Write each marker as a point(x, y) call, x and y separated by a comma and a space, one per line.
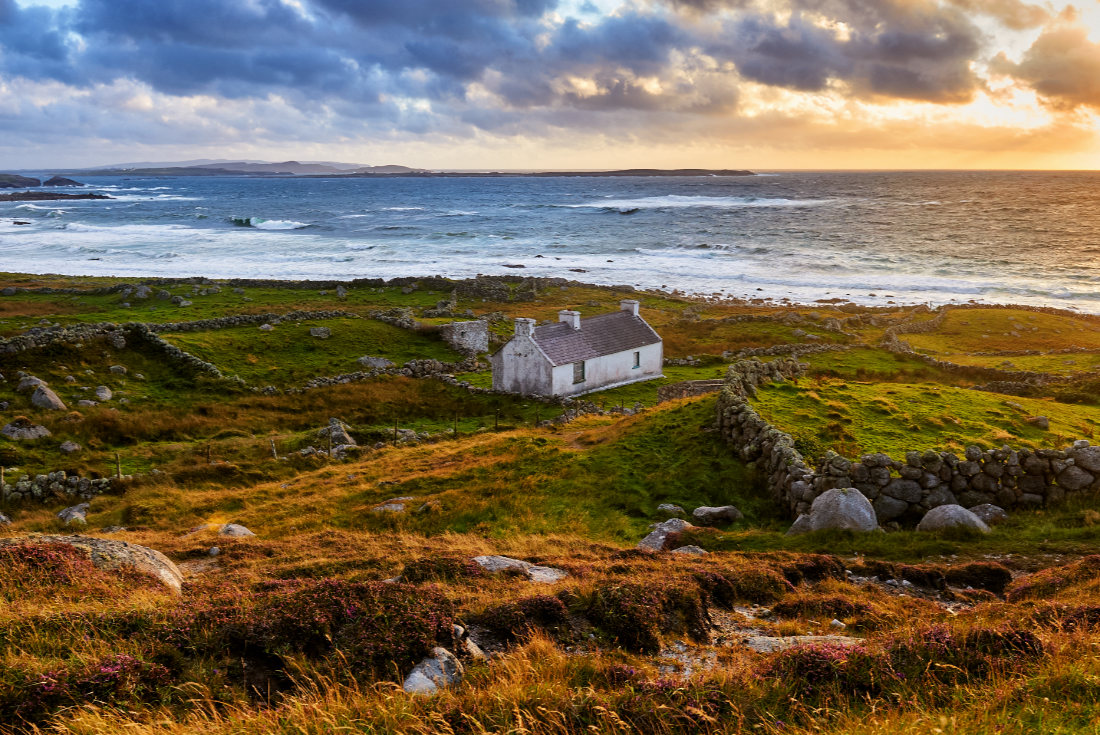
point(277, 224)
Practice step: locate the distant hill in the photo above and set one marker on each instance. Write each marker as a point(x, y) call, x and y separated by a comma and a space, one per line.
point(248, 168)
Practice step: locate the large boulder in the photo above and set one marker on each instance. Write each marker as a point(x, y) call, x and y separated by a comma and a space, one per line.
point(235, 530)
point(533, 572)
point(103, 393)
point(44, 397)
point(22, 429)
point(320, 332)
point(337, 430)
point(369, 361)
point(842, 509)
point(28, 383)
point(441, 669)
point(111, 554)
point(60, 181)
point(712, 515)
point(658, 537)
point(951, 516)
point(70, 447)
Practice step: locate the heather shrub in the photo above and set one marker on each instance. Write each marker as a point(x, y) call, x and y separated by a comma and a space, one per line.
point(824, 606)
point(60, 571)
point(816, 669)
point(1047, 582)
point(943, 656)
point(117, 679)
point(634, 615)
point(519, 619)
point(753, 584)
point(982, 575)
point(813, 568)
point(441, 568)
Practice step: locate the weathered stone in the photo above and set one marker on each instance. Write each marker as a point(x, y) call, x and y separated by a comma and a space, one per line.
point(74, 514)
point(320, 332)
point(1074, 478)
point(4, 520)
point(234, 530)
point(103, 393)
point(842, 508)
point(110, 555)
point(1088, 458)
point(690, 550)
point(1041, 422)
point(800, 525)
point(655, 540)
point(990, 514)
point(70, 447)
point(709, 515)
point(888, 508)
point(534, 572)
point(44, 397)
point(973, 454)
point(906, 490)
point(28, 383)
point(670, 508)
point(23, 429)
point(337, 430)
point(940, 496)
point(971, 498)
point(951, 516)
point(377, 363)
point(441, 669)
point(118, 369)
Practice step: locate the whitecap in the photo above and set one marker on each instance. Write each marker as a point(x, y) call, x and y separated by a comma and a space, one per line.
point(679, 201)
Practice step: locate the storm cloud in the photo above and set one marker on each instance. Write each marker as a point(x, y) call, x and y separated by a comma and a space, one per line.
point(347, 68)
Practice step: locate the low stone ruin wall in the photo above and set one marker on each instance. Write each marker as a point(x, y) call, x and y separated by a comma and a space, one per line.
point(470, 337)
point(688, 388)
point(55, 485)
point(901, 491)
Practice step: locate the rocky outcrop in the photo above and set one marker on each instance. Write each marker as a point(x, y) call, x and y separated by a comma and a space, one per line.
point(440, 669)
point(533, 572)
point(60, 181)
point(44, 398)
point(21, 429)
point(951, 516)
point(713, 515)
point(15, 181)
point(842, 509)
point(658, 538)
point(112, 555)
point(55, 485)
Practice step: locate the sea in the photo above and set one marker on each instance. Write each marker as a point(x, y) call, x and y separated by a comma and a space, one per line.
point(804, 236)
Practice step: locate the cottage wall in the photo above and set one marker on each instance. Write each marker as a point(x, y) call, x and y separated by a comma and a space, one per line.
point(616, 369)
point(520, 367)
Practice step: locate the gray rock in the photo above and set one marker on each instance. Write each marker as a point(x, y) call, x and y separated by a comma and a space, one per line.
point(842, 508)
point(103, 393)
point(22, 429)
point(375, 362)
point(4, 520)
point(213, 551)
point(534, 572)
point(656, 539)
point(836, 624)
point(118, 369)
point(888, 508)
point(670, 508)
point(320, 332)
point(142, 292)
point(85, 403)
point(70, 447)
point(44, 397)
point(441, 669)
point(951, 516)
point(234, 530)
point(690, 550)
point(389, 508)
point(266, 328)
point(338, 431)
point(1088, 458)
point(906, 490)
point(990, 514)
point(28, 383)
point(74, 514)
point(710, 515)
point(800, 525)
point(116, 340)
point(1074, 478)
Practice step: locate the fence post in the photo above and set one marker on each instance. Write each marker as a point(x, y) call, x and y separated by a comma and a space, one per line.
point(274, 453)
point(395, 432)
point(456, 424)
point(118, 466)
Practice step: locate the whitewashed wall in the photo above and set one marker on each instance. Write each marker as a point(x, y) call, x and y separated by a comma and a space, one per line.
point(617, 369)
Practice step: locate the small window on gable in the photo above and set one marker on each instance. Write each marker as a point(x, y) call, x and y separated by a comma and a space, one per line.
point(637, 359)
point(578, 372)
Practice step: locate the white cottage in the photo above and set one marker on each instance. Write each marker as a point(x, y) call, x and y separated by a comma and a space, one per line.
point(577, 355)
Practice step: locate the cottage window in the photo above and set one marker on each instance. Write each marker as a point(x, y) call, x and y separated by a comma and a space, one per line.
point(637, 359)
point(578, 372)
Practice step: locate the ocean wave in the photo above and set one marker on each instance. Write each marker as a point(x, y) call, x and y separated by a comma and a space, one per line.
point(409, 209)
point(679, 201)
point(260, 223)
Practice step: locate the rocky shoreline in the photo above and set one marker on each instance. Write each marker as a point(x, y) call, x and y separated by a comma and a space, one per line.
point(46, 196)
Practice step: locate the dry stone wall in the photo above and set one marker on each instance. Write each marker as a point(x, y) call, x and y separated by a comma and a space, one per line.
point(900, 491)
point(55, 485)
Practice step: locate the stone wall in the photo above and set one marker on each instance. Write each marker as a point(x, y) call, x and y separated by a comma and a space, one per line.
point(688, 388)
point(55, 485)
point(899, 491)
point(468, 337)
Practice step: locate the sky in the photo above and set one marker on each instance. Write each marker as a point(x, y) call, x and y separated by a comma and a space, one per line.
point(553, 84)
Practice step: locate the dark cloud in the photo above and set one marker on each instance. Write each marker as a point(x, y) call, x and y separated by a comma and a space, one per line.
point(1063, 66)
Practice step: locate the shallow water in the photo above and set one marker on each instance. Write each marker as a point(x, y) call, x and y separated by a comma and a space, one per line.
point(871, 237)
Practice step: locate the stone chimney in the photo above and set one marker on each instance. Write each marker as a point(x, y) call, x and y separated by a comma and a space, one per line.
point(629, 305)
point(572, 318)
point(525, 327)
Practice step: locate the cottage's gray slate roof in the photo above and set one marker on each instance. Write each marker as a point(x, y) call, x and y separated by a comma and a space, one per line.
point(600, 335)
